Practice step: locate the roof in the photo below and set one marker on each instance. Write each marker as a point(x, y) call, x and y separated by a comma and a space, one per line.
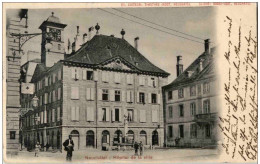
point(39, 71)
point(196, 74)
point(102, 48)
point(52, 21)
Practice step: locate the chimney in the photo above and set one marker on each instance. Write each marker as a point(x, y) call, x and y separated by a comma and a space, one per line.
point(179, 66)
point(206, 45)
point(77, 30)
point(69, 46)
point(74, 45)
point(85, 38)
point(136, 43)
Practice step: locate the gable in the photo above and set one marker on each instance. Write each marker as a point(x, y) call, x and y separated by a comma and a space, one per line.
point(117, 64)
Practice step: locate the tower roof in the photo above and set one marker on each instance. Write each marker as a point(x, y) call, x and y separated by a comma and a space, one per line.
point(52, 21)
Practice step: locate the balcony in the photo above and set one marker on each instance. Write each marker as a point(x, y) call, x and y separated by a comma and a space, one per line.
point(206, 118)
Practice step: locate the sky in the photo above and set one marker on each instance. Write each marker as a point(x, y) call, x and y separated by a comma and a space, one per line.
point(158, 47)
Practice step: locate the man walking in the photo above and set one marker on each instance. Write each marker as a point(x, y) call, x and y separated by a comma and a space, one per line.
point(69, 147)
point(136, 146)
point(141, 146)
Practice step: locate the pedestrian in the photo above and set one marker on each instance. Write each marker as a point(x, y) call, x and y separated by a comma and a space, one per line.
point(141, 146)
point(37, 149)
point(136, 146)
point(69, 147)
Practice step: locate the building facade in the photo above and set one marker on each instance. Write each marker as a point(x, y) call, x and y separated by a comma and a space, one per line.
point(17, 24)
point(92, 95)
point(191, 103)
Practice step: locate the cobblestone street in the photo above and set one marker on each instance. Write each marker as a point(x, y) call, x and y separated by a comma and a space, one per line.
point(92, 155)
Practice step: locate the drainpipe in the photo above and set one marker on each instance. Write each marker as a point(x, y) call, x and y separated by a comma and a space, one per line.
point(96, 97)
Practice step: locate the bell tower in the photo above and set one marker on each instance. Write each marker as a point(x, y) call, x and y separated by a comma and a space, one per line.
point(52, 47)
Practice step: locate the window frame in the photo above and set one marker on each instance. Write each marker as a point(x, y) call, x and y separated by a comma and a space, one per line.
point(103, 94)
point(180, 93)
point(117, 94)
point(142, 97)
point(181, 110)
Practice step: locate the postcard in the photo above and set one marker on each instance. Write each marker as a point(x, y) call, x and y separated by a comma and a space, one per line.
point(130, 82)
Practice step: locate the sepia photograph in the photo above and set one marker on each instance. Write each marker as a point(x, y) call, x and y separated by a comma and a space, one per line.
point(129, 82)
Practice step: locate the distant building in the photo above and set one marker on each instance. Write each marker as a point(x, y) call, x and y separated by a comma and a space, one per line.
point(89, 94)
point(191, 103)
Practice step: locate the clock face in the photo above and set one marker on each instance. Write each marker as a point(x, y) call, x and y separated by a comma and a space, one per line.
point(54, 34)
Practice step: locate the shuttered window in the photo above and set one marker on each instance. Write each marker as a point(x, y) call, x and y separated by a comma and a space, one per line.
point(142, 116)
point(74, 93)
point(129, 79)
point(58, 113)
point(154, 116)
point(59, 93)
point(90, 93)
point(130, 96)
point(74, 113)
point(89, 113)
point(117, 78)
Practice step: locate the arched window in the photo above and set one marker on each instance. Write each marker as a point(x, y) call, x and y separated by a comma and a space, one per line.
point(130, 136)
point(90, 138)
point(105, 137)
point(155, 138)
point(143, 137)
point(75, 137)
point(118, 136)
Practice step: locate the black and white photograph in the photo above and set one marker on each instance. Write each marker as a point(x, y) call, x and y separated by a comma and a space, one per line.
point(129, 82)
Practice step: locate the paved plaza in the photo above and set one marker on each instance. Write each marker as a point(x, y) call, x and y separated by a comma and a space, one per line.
point(97, 156)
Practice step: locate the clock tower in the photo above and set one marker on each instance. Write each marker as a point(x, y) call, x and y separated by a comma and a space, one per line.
point(52, 47)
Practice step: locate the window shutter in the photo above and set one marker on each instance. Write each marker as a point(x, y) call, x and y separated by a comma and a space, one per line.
point(155, 82)
point(123, 96)
point(149, 98)
point(73, 113)
point(113, 115)
point(107, 114)
point(140, 80)
point(128, 79)
point(117, 78)
point(46, 81)
point(142, 116)
point(128, 96)
point(84, 74)
point(90, 113)
point(100, 116)
point(92, 93)
point(120, 114)
point(112, 95)
point(73, 73)
point(53, 78)
point(78, 73)
point(103, 76)
point(135, 115)
point(132, 96)
point(137, 97)
point(58, 114)
point(77, 113)
point(54, 95)
point(59, 94)
point(159, 98)
point(154, 116)
point(45, 116)
point(96, 75)
point(88, 94)
point(100, 94)
point(46, 98)
point(149, 82)
point(74, 93)
point(59, 74)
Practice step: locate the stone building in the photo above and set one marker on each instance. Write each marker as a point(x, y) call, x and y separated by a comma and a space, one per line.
point(90, 93)
point(16, 24)
point(191, 103)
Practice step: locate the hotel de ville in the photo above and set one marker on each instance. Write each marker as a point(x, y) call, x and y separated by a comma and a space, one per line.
point(89, 89)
